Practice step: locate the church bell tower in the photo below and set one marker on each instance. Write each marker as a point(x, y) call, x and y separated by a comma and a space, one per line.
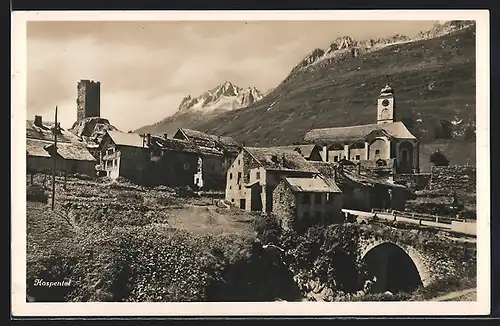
point(386, 105)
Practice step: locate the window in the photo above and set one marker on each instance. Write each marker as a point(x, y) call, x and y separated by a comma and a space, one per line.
point(196, 181)
point(230, 176)
point(336, 158)
point(257, 175)
point(404, 154)
point(305, 214)
point(377, 151)
point(239, 187)
point(317, 198)
point(239, 162)
point(239, 177)
point(358, 157)
point(186, 166)
point(230, 187)
point(305, 198)
point(232, 200)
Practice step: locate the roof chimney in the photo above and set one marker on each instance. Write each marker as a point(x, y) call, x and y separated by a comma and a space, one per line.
point(148, 139)
point(165, 135)
point(38, 120)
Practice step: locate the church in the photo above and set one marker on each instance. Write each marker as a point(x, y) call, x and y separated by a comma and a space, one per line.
point(385, 143)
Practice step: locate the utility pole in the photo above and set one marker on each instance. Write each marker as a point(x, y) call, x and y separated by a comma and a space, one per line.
point(56, 129)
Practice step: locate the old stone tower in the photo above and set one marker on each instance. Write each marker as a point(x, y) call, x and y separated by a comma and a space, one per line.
point(89, 99)
point(386, 106)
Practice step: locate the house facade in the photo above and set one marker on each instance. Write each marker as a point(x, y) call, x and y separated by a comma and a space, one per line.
point(217, 153)
point(302, 202)
point(257, 172)
point(124, 155)
point(368, 191)
point(388, 139)
point(72, 156)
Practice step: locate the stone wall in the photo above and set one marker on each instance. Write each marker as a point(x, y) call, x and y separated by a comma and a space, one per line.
point(453, 179)
point(284, 206)
point(414, 182)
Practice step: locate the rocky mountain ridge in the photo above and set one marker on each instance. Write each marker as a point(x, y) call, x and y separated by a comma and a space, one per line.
point(344, 47)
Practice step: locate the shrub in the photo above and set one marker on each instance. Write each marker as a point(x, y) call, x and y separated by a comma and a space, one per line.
point(439, 159)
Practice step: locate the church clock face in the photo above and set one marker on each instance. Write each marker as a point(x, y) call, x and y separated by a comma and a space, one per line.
point(385, 102)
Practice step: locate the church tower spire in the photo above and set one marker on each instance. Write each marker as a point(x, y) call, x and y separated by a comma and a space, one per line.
point(386, 105)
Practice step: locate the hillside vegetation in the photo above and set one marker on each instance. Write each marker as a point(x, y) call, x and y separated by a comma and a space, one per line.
point(433, 79)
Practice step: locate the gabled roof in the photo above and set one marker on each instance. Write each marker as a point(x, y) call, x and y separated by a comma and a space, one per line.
point(45, 132)
point(365, 180)
point(126, 139)
point(225, 143)
point(36, 147)
point(327, 169)
point(173, 144)
point(72, 151)
point(356, 133)
point(305, 150)
point(312, 185)
point(280, 160)
point(195, 134)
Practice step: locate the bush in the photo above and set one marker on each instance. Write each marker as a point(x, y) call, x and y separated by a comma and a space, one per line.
point(439, 159)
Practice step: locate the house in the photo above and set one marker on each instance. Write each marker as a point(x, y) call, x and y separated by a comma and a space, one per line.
point(72, 155)
point(174, 162)
point(301, 202)
point(217, 154)
point(368, 191)
point(309, 152)
point(256, 172)
point(387, 140)
point(124, 155)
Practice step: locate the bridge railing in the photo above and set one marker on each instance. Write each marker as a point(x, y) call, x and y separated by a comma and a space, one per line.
point(421, 216)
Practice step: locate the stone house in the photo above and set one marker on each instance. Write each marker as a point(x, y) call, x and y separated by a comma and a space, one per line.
point(256, 172)
point(72, 155)
point(301, 202)
point(217, 153)
point(387, 140)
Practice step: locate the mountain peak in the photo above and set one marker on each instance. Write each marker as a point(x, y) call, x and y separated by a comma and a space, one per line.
point(226, 96)
point(345, 46)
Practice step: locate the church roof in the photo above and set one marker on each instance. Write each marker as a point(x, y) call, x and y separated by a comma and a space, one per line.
point(356, 133)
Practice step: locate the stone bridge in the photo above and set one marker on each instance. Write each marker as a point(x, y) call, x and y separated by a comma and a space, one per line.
point(403, 259)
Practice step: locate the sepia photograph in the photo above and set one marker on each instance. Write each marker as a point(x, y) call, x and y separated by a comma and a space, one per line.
point(302, 164)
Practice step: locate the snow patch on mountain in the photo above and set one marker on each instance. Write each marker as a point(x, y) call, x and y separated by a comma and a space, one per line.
point(345, 46)
point(225, 97)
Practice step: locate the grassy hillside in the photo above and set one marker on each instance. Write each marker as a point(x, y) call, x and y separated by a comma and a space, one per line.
point(434, 79)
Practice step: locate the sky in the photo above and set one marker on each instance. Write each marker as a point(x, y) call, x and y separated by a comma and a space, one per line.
point(147, 68)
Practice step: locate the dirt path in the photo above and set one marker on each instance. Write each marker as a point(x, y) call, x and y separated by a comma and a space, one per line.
point(464, 295)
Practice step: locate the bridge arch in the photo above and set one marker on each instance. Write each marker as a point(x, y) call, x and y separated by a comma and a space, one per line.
point(396, 267)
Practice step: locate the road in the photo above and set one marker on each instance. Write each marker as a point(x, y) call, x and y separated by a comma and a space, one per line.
point(463, 295)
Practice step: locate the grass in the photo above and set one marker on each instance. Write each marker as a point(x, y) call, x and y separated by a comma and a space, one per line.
point(338, 94)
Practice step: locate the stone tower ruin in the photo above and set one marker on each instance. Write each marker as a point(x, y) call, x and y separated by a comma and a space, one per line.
point(89, 99)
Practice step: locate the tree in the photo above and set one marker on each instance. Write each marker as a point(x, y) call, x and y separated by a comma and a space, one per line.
point(439, 159)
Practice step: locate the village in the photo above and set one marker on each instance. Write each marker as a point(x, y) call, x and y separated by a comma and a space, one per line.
point(333, 172)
